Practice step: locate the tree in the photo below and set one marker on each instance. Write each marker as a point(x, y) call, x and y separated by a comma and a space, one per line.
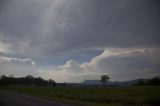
point(3, 77)
point(141, 82)
point(29, 77)
point(28, 80)
point(52, 82)
point(154, 81)
point(104, 78)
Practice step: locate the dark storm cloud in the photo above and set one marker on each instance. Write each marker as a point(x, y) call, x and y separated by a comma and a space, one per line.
point(115, 24)
point(2, 3)
point(62, 27)
point(120, 37)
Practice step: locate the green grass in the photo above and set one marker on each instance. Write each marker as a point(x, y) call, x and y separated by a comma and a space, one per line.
point(97, 96)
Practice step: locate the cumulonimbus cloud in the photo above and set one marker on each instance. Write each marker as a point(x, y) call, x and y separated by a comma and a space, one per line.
point(127, 31)
point(119, 64)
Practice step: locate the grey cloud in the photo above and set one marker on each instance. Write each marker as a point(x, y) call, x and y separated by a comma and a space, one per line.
point(49, 28)
point(111, 24)
point(45, 29)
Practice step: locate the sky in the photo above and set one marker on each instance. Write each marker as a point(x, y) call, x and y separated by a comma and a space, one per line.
point(77, 40)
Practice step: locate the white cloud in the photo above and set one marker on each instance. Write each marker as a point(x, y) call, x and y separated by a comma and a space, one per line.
point(119, 64)
point(124, 64)
point(60, 75)
point(17, 66)
point(11, 59)
point(72, 66)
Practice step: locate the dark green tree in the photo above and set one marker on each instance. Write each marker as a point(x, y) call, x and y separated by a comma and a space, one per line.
point(154, 81)
point(3, 77)
point(104, 79)
point(51, 82)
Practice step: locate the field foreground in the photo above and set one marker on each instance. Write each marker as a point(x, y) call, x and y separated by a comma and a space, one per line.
point(96, 96)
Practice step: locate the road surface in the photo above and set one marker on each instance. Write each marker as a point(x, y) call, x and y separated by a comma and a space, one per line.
point(16, 99)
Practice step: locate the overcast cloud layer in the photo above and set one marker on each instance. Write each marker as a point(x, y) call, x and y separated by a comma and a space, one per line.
point(86, 38)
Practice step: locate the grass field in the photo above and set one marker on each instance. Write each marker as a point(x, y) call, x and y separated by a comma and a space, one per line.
point(97, 96)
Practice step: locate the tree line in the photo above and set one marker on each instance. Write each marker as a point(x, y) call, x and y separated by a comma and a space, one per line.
point(153, 81)
point(28, 80)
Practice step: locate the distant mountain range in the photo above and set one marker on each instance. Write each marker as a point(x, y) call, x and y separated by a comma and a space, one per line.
point(98, 82)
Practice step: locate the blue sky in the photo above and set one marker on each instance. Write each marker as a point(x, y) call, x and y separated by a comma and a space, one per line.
point(73, 40)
